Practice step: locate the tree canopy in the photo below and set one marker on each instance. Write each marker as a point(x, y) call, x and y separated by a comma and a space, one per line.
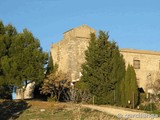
point(21, 57)
point(129, 89)
point(103, 69)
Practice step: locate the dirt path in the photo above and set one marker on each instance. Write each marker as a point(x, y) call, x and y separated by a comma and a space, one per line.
point(124, 113)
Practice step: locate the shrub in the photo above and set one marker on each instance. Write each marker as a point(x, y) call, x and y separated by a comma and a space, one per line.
point(148, 107)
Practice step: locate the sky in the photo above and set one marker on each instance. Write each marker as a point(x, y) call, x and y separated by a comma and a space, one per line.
point(131, 23)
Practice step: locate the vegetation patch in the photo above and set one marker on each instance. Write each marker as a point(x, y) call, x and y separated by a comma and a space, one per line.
point(40, 110)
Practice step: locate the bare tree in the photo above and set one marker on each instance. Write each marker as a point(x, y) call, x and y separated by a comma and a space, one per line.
point(82, 96)
point(153, 86)
point(57, 85)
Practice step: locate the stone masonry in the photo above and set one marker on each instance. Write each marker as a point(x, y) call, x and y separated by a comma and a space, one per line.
point(69, 55)
point(149, 65)
point(28, 92)
point(69, 52)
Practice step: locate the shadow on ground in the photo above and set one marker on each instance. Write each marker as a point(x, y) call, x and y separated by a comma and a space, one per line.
point(12, 109)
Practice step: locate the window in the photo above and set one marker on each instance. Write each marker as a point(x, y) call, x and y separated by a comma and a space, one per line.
point(136, 64)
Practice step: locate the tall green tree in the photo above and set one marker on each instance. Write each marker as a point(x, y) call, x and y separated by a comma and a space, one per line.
point(2, 28)
point(21, 57)
point(28, 59)
point(7, 34)
point(50, 65)
point(2, 50)
point(103, 69)
point(129, 89)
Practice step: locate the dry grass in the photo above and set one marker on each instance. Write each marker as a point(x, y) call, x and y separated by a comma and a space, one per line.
point(89, 114)
point(40, 110)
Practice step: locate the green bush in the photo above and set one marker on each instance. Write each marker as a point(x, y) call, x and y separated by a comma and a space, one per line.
point(148, 107)
point(157, 112)
point(5, 92)
point(51, 99)
point(143, 97)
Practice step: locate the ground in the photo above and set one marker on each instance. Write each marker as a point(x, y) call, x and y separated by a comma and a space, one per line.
point(41, 110)
point(125, 112)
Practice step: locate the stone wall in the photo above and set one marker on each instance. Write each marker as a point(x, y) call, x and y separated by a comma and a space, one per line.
point(149, 65)
point(28, 92)
point(69, 52)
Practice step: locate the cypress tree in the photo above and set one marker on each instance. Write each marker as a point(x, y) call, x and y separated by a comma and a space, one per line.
point(103, 69)
point(129, 89)
point(134, 88)
point(50, 65)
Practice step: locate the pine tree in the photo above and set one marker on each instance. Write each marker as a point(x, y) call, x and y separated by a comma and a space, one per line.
point(28, 59)
point(21, 57)
point(2, 28)
point(7, 34)
point(103, 69)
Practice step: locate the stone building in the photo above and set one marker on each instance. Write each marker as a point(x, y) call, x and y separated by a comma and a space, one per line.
point(28, 92)
point(69, 52)
point(146, 65)
point(69, 55)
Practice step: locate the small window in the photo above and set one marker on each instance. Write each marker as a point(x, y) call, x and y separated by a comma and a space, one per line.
point(136, 64)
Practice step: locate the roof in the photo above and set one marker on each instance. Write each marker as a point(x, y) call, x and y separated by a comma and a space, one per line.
point(77, 27)
point(140, 51)
point(68, 30)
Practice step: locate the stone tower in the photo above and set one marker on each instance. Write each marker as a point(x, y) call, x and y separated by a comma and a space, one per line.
point(69, 52)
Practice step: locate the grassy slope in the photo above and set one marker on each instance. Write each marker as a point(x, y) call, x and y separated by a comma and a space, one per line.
point(39, 110)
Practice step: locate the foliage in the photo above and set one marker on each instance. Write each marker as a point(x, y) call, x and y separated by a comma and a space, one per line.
point(154, 86)
point(28, 58)
point(143, 97)
point(156, 89)
point(148, 107)
point(81, 96)
point(5, 92)
point(57, 85)
point(7, 35)
point(21, 57)
point(129, 89)
point(103, 69)
point(50, 65)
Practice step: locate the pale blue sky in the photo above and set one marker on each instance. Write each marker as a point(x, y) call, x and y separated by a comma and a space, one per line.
point(131, 23)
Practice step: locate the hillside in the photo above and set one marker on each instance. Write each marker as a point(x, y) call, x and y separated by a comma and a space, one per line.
point(41, 110)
